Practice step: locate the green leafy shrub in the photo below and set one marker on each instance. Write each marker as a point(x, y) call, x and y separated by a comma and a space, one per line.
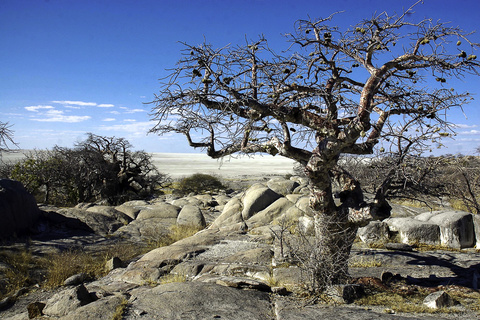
point(199, 183)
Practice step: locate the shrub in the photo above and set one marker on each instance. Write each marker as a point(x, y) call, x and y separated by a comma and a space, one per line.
point(18, 270)
point(60, 266)
point(156, 238)
point(199, 183)
point(99, 168)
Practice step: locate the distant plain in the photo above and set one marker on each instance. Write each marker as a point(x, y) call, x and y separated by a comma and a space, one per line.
point(179, 165)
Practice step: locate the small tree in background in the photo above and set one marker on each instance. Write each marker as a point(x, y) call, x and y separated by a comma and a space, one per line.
point(99, 168)
point(6, 136)
point(199, 183)
point(333, 92)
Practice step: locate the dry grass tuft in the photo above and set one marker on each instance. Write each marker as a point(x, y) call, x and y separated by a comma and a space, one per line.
point(17, 270)
point(364, 262)
point(172, 277)
point(175, 233)
point(65, 264)
point(62, 265)
point(400, 303)
point(120, 310)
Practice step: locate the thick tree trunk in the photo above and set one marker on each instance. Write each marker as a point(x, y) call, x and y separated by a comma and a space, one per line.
point(334, 237)
point(336, 225)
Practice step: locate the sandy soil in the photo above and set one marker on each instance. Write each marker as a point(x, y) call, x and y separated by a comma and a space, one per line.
point(184, 164)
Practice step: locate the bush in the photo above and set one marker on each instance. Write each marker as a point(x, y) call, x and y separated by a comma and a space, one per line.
point(17, 270)
point(99, 168)
point(157, 237)
point(199, 183)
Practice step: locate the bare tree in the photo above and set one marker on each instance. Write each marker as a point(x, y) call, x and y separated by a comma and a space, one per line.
point(461, 179)
point(99, 168)
point(331, 93)
point(6, 136)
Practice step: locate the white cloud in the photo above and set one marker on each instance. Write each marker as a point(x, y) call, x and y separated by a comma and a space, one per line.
point(130, 120)
point(106, 105)
point(136, 128)
point(465, 126)
point(109, 119)
point(72, 107)
point(135, 110)
point(38, 108)
point(127, 110)
point(114, 112)
point(76, 103)
point(471, 132)
point(53, 115)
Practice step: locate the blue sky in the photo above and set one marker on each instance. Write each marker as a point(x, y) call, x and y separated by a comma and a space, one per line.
point(68, 67)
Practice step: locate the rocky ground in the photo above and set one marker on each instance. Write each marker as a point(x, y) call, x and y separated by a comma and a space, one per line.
point(233, 269)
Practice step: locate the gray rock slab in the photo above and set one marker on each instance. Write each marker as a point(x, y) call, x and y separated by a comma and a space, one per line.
point(101, 224)
point(222, 199)
point(111, 212)
point(303, 204)
point(76, 279)
point(18, 209)
point(197, 300)
point(145, 229)
point(282, 186)
point(158, 210)
point(476, 224)
point(289, 276)
point(257, 198)
point(439, 299)
point(66, 301)
point(412, 231)
point(191, 216)
point(456, 228)
point(286, 309)
point(103, 309)
point(158, 262)
point(231, 214)
point(132, 208)
point(267, 215)
point(375, 231)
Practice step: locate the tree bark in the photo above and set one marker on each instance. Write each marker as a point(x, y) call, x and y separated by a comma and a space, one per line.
point(336, 225)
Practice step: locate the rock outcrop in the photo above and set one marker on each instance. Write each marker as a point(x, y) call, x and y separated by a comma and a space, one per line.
point(448, 228)
point(18, 209)
point(233, 269)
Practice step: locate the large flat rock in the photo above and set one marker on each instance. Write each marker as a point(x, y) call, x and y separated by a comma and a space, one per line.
point(197, 300)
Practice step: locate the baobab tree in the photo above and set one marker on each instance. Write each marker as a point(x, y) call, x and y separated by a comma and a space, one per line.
point(332, 92)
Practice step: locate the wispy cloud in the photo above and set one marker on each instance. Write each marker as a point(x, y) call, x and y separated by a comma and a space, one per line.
point(128, 110)
point(470, 132)
point(72, 103)
point(50, 114)
point(465, 126)
point(76, 103)
point(134, 110)
point(109, 119)
point(59, 116)
point(136, 128)
point(38, 108)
